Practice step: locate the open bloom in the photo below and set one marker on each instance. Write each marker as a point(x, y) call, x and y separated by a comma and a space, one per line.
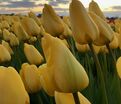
point(68, 73)
point(12, 90)
point(83, 27)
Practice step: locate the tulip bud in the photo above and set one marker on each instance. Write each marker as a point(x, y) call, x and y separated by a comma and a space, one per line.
point(1, 33)
point(6, 35)
point(115, 43)
point(19, 31)
point(66, 20)
point(30, 26)
point(105, 31)
point(96, 48)
point(9, 93)
point(13, 40)
point(32, 54)
point(118, 66)
point(4, 54)
point(69, 74)
point(83, 27)
point(7, 46)
point(67, 98)
point(93, 7)
point(51, 22)
point(47, 80)
point(5, 25)
point(32, 39)
point(33, 15)
point(30, 77)
point(82, 48)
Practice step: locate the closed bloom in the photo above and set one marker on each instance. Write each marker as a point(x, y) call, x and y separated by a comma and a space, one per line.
point(33, 15)
point(7, 46)
point(6, 35)
point(69, 74)
point(5, 25)
point(47, 80)
point(82, 48)
point(4, 54)
point(67, 98)
point(12, 90)
point(83, 27)
point(118, 65)
point(30, 77)
point(93, 7)
point(105, 31)
point(51, 22)
point(13, 40)
point(115, 43)
point(19, 31)
point(32, 54)
point(30, 26)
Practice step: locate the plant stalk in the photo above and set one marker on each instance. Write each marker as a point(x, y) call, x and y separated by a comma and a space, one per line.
point(76, 98)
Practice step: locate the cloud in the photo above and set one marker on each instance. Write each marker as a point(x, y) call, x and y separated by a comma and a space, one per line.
point(113, 8)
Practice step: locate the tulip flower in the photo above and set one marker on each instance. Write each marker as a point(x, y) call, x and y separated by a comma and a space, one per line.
point(68, 73)
point(82, 48)
point(6, 35)
point(7, 46)
point(33, 15)
point(51, 22)
point(32, 54)
point(83, 27)
point(47, 80)
point(5, 25)
point(118, 66)
point(30, 77)
point(115, 43)
point(12, 90)
point(93, 7)
point(13, 40)
point(4, 54)
point(66, 20)
point(67, 98)
point(32, 39)
point(19, 31)
point(30, 26)
point(105, 31)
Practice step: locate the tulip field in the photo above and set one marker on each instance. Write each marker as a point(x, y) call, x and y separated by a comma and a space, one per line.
point(74, 59)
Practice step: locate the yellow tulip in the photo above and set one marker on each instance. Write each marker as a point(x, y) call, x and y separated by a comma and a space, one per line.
point(7, 46)
point(5, 25)
point(93, 7)
point(30, 77)
point(19, 31)
point(115, 43)
point(118, 65)
point(83, 27)
point(1, 33)
point(32, 54)
point(105, 31)
point(47, 80)
point(30, 26)
point(51, 22)
point(32, 39)
point(6, 35)
point(33, 15)
point(4, 54)
point(13, 40)
point(66, 20)
point(69, 74)
point(67, 98)
point(82, 48)
point(12, 90)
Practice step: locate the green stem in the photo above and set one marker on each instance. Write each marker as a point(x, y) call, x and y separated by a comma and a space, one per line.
point(100, 75)
point(76, 98)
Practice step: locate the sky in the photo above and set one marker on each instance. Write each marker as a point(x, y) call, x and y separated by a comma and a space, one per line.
point(109, 7)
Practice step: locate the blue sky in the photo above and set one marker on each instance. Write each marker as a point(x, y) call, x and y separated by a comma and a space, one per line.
point(61, 6)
